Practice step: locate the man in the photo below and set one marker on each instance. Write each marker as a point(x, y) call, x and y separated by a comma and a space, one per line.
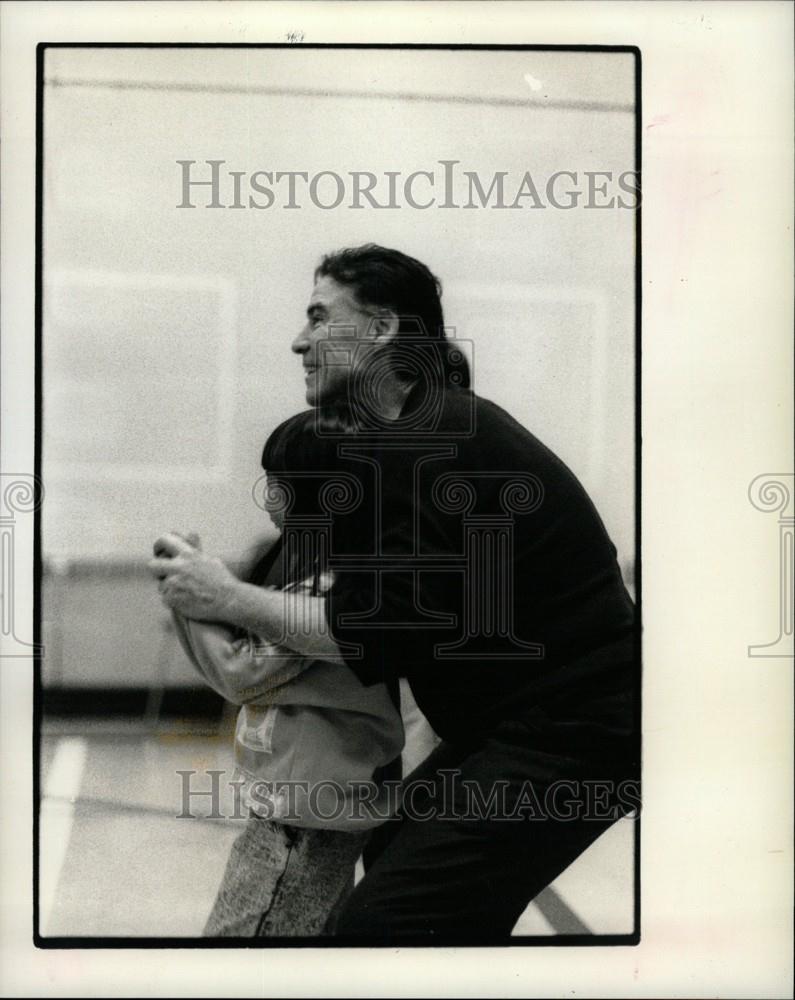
point(475, 566)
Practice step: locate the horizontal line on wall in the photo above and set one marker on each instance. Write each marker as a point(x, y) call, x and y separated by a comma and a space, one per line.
point(239, 89)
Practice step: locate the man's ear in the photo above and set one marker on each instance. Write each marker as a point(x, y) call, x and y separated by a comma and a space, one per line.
point(384, 326)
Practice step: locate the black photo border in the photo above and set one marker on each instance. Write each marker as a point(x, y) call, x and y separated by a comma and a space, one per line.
point(483, 940)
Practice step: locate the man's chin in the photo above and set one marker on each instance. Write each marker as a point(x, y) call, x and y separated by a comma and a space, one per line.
point(325, 401)
point(313, 397)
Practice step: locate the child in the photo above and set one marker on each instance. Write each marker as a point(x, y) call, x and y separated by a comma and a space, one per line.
point(308, 741)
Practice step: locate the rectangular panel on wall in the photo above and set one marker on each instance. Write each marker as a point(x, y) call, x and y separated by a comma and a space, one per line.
point(541, 352)
point(132, 362)
point(135, 366)
point(559, 358)
point(103, 626)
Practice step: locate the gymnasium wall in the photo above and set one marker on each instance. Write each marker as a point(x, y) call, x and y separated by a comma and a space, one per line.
point(166, 330)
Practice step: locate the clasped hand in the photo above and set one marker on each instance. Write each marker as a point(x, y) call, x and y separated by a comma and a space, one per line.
point(195, 584)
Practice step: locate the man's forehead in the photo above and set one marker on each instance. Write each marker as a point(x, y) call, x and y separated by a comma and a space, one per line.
point(328, 293)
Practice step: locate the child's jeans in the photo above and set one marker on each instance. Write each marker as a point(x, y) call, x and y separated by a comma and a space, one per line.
point(284, 881)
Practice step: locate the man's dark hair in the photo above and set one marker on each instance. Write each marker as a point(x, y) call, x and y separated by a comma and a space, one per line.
point(389, 279)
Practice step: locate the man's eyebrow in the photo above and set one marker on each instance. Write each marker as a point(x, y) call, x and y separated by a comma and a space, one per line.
point(315, 307)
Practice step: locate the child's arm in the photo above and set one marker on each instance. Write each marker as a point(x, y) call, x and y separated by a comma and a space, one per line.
point(181, 628)
point(240, 668)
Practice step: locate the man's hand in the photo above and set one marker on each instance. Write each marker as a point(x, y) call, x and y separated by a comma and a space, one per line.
point(163, 548)
point(200, 587)
point(191, 582)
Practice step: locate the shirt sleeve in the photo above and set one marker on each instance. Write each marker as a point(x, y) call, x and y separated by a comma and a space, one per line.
point(241, 668)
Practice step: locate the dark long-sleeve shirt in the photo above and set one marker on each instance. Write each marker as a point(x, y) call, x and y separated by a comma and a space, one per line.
point(477, 566)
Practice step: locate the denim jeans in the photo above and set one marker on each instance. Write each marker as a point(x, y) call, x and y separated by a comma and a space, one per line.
point(284, 881)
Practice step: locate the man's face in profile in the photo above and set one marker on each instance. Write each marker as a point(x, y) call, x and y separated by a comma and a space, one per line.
point(335, 322)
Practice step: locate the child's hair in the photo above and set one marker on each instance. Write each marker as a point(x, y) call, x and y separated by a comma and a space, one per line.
point(298, 462)
point(296, 446)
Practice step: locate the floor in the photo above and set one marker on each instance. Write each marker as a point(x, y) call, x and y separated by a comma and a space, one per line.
point(117, 859)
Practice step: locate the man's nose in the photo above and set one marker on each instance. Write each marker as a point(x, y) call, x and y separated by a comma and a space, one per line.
point(301, 343)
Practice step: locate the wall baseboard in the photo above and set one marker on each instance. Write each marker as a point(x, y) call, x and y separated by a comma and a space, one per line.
point(191, 702)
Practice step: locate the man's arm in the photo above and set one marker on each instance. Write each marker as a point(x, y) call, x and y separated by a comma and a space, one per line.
point(203, 588)
point(293, 619)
